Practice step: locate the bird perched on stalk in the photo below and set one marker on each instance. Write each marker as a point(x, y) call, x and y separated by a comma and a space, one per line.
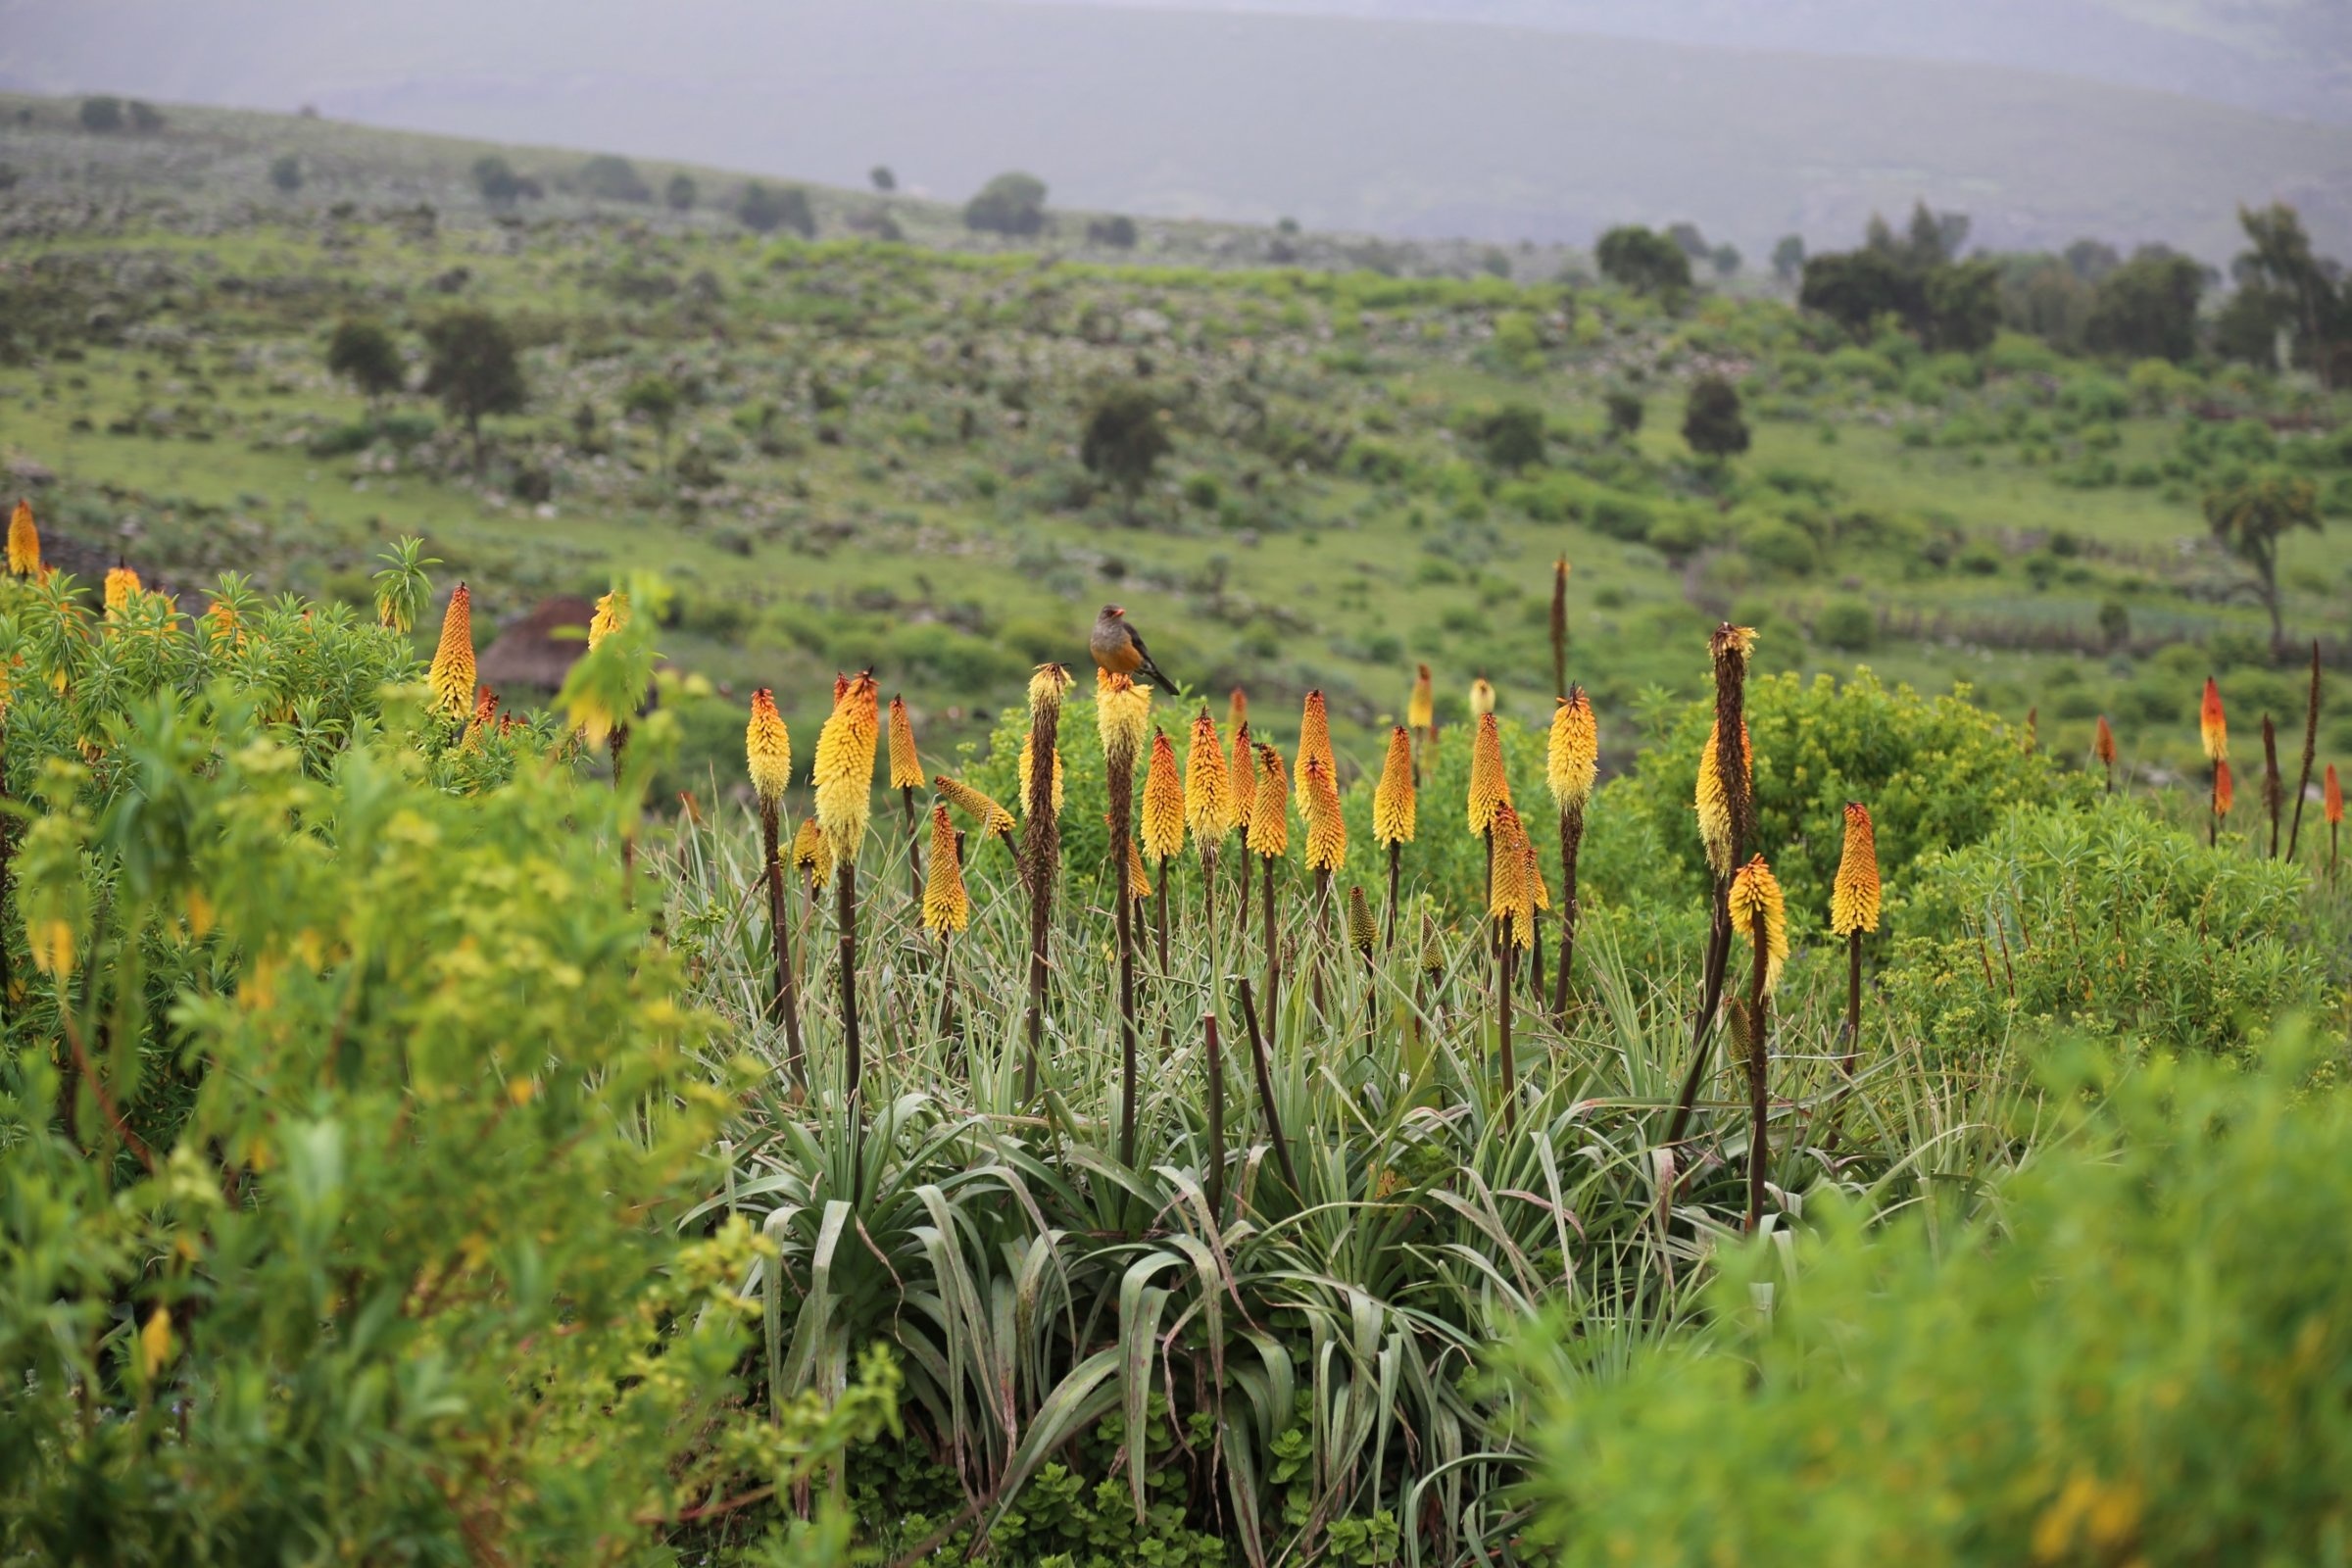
point(1118, 648)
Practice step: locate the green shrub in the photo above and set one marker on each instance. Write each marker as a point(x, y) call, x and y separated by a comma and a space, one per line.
point(1936, 772)
point(1782, 546)
point(2103, 917)
point(2143, 1361)
point(1847, 626)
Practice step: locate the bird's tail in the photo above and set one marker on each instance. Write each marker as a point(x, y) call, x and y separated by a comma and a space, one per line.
point(1151, 672)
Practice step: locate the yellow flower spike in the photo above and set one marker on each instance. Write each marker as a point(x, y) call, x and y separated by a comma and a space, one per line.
point(1422, 706)
point(1572, 757)
point(486, 718)
point(2224, 792)
point(906, 769)
point(1048, 686)
point(1163, 802)
point(767, 749)
point(994, 821)
point(1489, 785)
point(811, 856)
point(1208, 810)
point(23, 542)
point(1756, 896)
point(1714, 812)
point(1269, 813)
point(122, 586)
point(52, 945)
point(156, 1348)
point(1025, 778)
point(612, 614)
point(1315, 740)
point(1363, 932)
point(222, 623)
point(947, 906)
point(1482, 698)
point(1139, 875)
point(1538, 890)
point(1122, 716)
point(1237, 711)
point(1326, 828)
point(1244, 775)
point(1393, 800)
point(1512, 900)
point(452, 674)
point(845, 768)
point(2213, 725)
point(1854, 898)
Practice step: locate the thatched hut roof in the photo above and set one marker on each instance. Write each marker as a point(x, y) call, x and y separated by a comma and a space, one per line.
point(537, 650)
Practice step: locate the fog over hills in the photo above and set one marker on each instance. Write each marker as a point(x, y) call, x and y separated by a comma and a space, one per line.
point(1392, 123)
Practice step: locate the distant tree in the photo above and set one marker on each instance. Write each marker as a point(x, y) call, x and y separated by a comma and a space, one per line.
point(2090, 259)
point(764, 211)
point(362, 352)
point(2248, 520)
point(1789, 258)
point(1009, 203)
point(2146, 309)
point(1625, 408)
point(1693, 244)
point(1711, 420)
point(612, 178)
point(285, 173)
point(102, 114)
point(145, 117)
point(584, 422)
point(474, 371)
point(1286, 225)
point(680, 193)
point(1725, 259)
point(2296, 287)
point(1854, 288)
point(1512, 436)
point(9, 176)
point(882, 178)
point(1126, 436)
point(1116, 231)
point(1933, 239)
point(1495, 262)
point(1643, 260)
point(654, 400)
point(497, 181)
point(1963, 306)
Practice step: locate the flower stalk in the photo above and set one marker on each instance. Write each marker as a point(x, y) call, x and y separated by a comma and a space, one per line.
point(1758, 914)
point(1559, 630)
point(2310, 748)
point(1393, 814)
point(845, 791)
point(1041, 852)
point(2213, 734)
point(2274, 789)
point(1122, 717)
point(1854, 914)
point(2102, 748)
point(907, 776)
point(1269, 840)
point(767, 758)
point(1725, 823)
point(1572, 762)
point(1421, 718)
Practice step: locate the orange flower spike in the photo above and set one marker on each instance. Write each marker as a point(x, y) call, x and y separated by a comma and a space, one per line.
point(1237, 711)
point(2213, 725)
point(767, 749)
point(1714, 812)
point(1209, 793)
point(1422, 706)
point(1755, 896)
point(811, 856)
point(1164, 802)
point(906, 769)
point(845, 767)
point(1854, 897)
point(23, 542)
point(1244, 779)
point(2332, 796)
point(947, 906)
point(994, 821)
point(122, 586)
point(1512, 900)
point(1490, 786)
point(1326, 828)
point(2224, 791)
point(452, 674)
point(1315, 740)
point(612, 614)
point(1393, 801)
point(485, 716)
point(2102, 744)
point(1270, 813)
point(1572, 759)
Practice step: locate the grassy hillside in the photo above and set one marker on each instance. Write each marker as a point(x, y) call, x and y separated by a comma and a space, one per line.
point(1395, 127)
point(877, 457)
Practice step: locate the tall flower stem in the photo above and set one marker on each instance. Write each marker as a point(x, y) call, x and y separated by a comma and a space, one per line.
point(1160, 913)
point(783, 1000)
point(1265, 1088)
point(1502, 1028)
point(2272, 788)
point(1273, 953)
point(1729, 649)
point(1121, 783)
point(1217, 1116)
point(2310, 746)
point(1852, 1032)
point(1758, 1000)
point(1322, 936)
point(1388, 939)
point(914, 846)
point(1041, 856)
point(1572, 838)
point(853, 1064)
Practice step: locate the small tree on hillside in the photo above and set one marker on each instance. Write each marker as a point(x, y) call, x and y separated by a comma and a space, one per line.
point(1644, 260)
point(497, 181)
point(1009, 203)
point(145, 117)
point(2248, 520)
point(1789, 258)
point(1126, 436)
point(764, 210)
point(611, 177)
point(2146, 309)
point(680, 193)
point(882, 178)
point(654, 400)
point(102, 114)
point(362, 352)
point(285, 173)
point(1711, 421)
point(1513, 436)
point(474, 371)
point(1625, 408)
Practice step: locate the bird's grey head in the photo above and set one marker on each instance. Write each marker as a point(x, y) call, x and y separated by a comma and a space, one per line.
point(1112, 611)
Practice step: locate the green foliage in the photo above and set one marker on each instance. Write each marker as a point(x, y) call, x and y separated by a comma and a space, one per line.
point(2102, 918)
point(1712, 424)
point(285, 173)
point(609, 178)
point(1936, 772)
point(2141, 1360)
point(101, 114)
point(1512, 436)
point(1012, 204)
point(680, 193)
point(1643, 261)
point(474, 370)
point(2147, 308)
point(363, 354)
point(764, 210)
point(1126, 436)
